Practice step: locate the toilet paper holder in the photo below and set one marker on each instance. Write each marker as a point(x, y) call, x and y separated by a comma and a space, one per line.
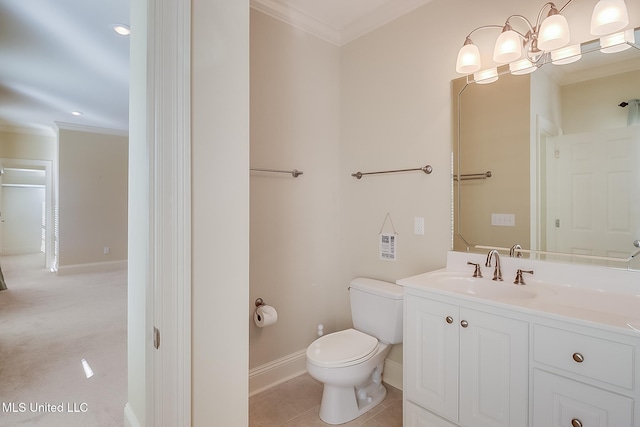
point(259, 302)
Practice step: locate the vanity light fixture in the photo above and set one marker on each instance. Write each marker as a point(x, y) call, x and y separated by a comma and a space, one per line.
point(522, 66)
point(549, 33)
point(617, 42)
point(566, 55)
point(489, 75)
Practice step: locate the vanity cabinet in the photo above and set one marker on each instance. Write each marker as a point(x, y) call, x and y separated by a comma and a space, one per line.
point(582, 378)
point(465, 365)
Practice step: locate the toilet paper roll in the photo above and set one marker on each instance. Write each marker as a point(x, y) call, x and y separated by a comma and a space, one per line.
point(265, 315)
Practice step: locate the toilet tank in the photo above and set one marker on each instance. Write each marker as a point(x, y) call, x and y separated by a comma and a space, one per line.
point(376, 308)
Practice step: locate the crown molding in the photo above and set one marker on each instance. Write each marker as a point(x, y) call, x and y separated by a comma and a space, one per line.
point(298, 19)
point(384, 14)
point(91, 129)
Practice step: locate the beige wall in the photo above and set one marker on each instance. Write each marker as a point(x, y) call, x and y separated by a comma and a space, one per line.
point(220, 212)
point(593, 105)
point(17, 144)
point(295, 239)
point(92, 197)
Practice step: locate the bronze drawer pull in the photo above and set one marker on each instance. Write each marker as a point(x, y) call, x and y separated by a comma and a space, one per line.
point(576, 423)
point(578, 358)
point(449, 319)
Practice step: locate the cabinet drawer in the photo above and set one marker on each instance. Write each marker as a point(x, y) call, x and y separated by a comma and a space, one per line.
point(607, 361)
point(559, 401)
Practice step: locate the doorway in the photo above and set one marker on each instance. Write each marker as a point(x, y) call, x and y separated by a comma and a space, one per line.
point(27, 209)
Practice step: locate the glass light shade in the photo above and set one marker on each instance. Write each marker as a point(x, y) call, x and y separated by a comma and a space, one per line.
point(617, 42)
point(609, 16)
point(468, 59)
point(523, 66)
point(489, 75)
point(554, 33)
point(566, 55)
point(508, 47)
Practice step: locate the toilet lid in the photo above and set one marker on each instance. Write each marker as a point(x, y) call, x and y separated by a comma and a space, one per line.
point(343, 348)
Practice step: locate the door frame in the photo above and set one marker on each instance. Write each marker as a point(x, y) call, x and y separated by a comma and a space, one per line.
point(169, 140)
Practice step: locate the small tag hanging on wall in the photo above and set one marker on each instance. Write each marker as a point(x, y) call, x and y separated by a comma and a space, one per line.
point(388, 242)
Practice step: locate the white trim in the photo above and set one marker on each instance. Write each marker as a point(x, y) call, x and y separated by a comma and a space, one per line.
point(91, 129)
point(92, 267)
point(130, 419)
point(50, 202)
point(277, 371)
point(392, 373)
point(169, 115)
point(298, 18)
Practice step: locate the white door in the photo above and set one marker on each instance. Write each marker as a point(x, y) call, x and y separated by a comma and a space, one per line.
point(597, 193)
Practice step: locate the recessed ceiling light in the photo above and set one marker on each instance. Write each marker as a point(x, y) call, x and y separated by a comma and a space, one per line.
point(121, 29)
point(76, 113)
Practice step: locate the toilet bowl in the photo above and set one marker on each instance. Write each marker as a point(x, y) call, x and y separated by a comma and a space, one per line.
point(350, 363)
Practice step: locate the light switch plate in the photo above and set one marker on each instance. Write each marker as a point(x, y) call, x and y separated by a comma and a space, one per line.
point(503, 220)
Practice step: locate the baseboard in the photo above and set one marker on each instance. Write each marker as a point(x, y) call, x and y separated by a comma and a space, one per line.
point(276, 372)
point(93, 267)
point(130, 419)
point(392, 373)
point(273, 373)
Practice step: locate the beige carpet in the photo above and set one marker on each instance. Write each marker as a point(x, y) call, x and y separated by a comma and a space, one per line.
point(48, 324)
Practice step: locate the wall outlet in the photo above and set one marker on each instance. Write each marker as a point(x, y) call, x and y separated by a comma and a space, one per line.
point(418, 225)
point(503, 220)
point(106, 250)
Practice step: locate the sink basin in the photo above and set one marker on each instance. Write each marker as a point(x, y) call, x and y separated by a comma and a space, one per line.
point(484, 287)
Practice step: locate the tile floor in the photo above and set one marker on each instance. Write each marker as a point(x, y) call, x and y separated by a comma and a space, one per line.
point(296, 403)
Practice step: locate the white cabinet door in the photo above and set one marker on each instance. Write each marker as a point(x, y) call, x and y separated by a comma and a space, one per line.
point(494, 360)
point(431, 355)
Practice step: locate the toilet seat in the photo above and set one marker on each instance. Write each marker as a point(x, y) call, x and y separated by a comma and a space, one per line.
point(343, 348)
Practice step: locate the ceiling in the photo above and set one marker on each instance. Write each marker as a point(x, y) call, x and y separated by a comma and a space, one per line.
point(61, 56)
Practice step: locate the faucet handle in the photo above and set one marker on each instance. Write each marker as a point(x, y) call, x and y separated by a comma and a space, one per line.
point(519, 280)
point(476, 272)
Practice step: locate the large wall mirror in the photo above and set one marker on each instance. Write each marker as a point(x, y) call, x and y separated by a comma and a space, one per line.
point(551, 160)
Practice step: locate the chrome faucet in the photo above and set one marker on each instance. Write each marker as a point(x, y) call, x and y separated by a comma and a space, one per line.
point(514, 251)
point(497, 273)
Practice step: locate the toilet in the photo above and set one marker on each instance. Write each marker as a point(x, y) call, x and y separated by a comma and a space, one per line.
point(349, 363)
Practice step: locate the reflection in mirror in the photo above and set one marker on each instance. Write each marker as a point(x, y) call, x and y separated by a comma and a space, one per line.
point(563, 148)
